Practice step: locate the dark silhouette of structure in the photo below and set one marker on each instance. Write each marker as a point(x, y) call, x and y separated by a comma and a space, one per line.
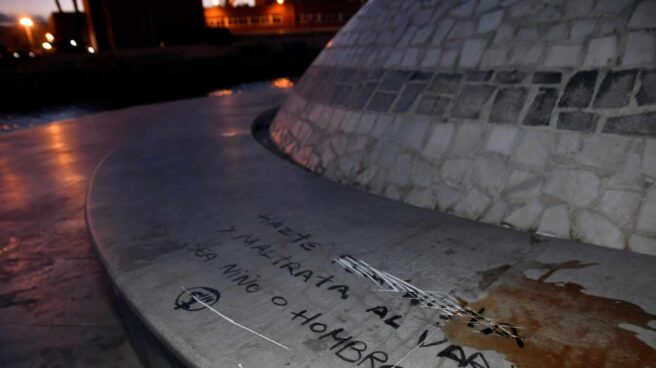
point(129, 24)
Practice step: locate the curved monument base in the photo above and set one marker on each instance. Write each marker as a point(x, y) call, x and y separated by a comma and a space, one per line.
point(234, 257)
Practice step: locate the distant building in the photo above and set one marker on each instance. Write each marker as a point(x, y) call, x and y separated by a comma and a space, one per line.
point(281, 16)
point(127, 24)
point(69, 26)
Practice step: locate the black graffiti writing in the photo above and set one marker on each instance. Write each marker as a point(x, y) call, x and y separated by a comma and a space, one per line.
point(343, 345)
point(241, 277)
point(381, 311)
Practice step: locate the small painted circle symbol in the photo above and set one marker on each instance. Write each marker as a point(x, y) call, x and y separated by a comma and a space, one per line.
point(197, 298)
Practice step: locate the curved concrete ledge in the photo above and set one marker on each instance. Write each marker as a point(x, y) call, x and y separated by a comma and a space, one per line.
point(227, 254)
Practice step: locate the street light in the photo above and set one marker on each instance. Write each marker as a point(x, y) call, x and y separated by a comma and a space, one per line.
point(28, 23)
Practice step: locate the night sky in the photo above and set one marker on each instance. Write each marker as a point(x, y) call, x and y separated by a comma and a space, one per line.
point(43, 8)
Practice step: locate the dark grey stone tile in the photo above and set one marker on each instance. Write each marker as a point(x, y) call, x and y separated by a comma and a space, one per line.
point(361, 95)
point(381, 101)
point(421, 76)
point(408, 96)
point(647, 93)
point(578, 121)
point(394, 80)
point(510, 77)
point(446, 83)
point(433, 105)
point(547, 78)
point(471, 100)
point(579, 90)
point(376, 74)
point(334, 93)
point(343, 93)
point(641, 125)
point(479, 76)
point(616, 89)
point(540, 111)
point(507, 105)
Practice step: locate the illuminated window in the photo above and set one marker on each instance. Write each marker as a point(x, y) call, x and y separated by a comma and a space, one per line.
point(236, 3)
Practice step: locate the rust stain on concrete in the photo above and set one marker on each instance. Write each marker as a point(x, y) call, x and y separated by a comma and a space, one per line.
point(560, 325)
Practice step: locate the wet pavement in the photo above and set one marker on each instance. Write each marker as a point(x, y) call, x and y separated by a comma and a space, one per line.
point(56, 305)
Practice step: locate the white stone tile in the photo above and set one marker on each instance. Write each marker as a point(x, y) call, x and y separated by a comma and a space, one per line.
point(601, 52)
point(555, 222)
point(647, 217)
point(579, 8)
point(649, 158)
point(421, 198)
point(422, 35)
point(562, 56)
point(644, 16)
point(454, 170)
point(449, 58)
point(582, 28)
point(431, 58)
point(490, 21)
point(505, 33)
point(611, 6)
point(410, 58)
point(593, 228)
point(534, 148)
point(495, 57)
point(446, 196)
point(472, 52)
point(525, 217)
point(473, 205)
point(620, 206)
point(640, 49)
point(496, 212)
point(464, 10)
point(467, 140)
point(577, 187)
point(442, 30)
point(642, 244)
point(486, 5)
point(526, 54)
point(438, 141)
point(502, 139)
point(490, 172)
point(527, 34)
point(463, 29)
point(414, 132)
point(559, 31)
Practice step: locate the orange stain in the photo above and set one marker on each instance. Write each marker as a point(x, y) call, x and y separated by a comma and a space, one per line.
point(561, 326)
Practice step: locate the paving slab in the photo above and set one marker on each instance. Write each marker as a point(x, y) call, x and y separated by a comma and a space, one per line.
point(228, 253)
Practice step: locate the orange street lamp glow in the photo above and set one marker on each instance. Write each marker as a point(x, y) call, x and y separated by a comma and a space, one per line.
point(46, 46)
point(50, 37)
point(26, 22)
point(281, 2)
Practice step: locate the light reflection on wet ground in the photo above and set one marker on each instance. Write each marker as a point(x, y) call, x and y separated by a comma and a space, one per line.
point(55, 300)
point(18, 120)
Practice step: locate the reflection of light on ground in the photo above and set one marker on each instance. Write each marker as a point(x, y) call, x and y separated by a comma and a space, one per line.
point(282, 83)
point(230, 133)
point(223, 92)
point(14, 192)
point(64, 159)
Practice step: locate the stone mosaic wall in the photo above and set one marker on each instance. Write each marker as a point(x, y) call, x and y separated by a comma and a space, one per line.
point(539, 115)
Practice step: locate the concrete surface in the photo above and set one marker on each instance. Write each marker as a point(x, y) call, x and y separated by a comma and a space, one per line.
point(226, 252)
point(56, 307)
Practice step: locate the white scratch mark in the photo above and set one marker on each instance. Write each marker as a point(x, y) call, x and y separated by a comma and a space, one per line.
point(232, 321)
point(447, 304)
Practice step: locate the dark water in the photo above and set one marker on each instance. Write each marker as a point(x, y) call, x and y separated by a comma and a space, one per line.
point(23, 119)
